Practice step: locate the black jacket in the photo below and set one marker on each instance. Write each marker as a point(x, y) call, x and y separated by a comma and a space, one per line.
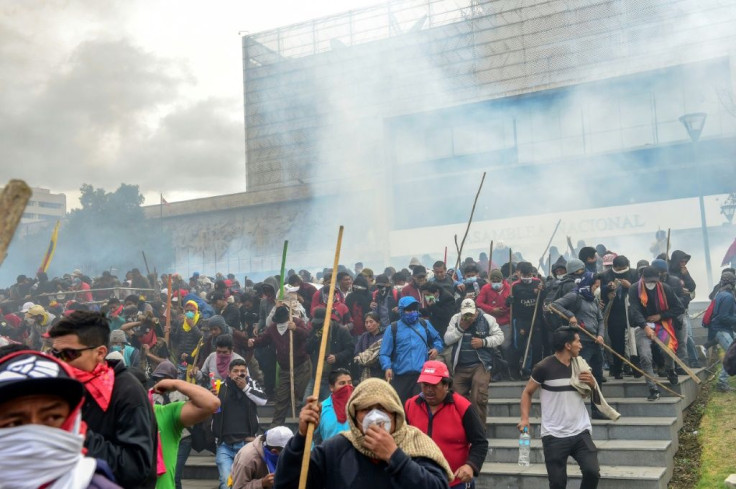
point(638, 313)
point(336, 464)
point(125, 435)
point(524, 300)
point(341, 344)
point(676, 271)
point(617, 311)
point(237, 418)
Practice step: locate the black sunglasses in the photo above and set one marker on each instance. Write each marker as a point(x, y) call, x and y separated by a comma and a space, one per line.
point(70, 354)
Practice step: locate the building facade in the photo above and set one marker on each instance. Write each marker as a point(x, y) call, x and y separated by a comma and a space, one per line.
point(391, 114)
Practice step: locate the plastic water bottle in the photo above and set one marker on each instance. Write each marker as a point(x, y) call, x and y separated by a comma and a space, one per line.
point(525, 447)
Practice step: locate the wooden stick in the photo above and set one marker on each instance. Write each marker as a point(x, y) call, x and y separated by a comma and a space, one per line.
point(167, 330)
point(467, 228)
point(445, 256)
point(291, 335)
point(549, 264)
point(13, 202)
point(667, 252)
point(531, 329)
point(320, 362)
point(510, 262)
point(572, 248)
point(490, 262)
point(674, 357)
point(620, 357)
point(549, 243)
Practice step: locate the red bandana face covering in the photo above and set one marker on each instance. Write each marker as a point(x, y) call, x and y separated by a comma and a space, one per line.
point(99, 383)
point(340, 401)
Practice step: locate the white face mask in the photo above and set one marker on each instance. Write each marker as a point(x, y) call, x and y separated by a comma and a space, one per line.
point(62, 452)
point(496, 285)
point(560, 276)
point(526, 280)
point(650, 285)
point(376, 416)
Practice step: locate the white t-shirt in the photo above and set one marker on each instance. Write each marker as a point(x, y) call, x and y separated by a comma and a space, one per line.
point(563, 409)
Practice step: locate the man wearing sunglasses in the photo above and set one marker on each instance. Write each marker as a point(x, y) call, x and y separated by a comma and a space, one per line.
point(121, 427)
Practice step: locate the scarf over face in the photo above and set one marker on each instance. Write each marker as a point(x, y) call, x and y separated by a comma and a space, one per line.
point(99, 383)
point(340, 401)
point(223, 364)
point(408, 438)
point(664, 329)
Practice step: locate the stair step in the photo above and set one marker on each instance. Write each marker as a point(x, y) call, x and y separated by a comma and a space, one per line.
point(629, 428)
point(511, 475)
point(665, 406)
point(650, 453)
point(199, 484)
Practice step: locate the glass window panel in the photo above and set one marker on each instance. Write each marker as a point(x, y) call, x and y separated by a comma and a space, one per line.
point(636, 109)
point(573, 146)
point(524, 128)
point(546, 124)
point(495, 135)
point(439, 143)
point(571, 119)
point(408, 147)
point(465, 139)
point(602, 114)
point(547, 150)
point(600, 142)
point(525, 153)
point(634, 137)
point(670, 104)
point(668, 132)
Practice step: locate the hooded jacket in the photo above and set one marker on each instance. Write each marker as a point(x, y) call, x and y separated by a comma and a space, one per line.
point(412, 344)
point(343, 462)
point(686, 279)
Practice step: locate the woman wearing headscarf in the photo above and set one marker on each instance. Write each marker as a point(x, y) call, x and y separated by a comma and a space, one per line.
point(379, 450)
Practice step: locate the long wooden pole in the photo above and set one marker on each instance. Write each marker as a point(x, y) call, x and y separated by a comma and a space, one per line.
point(490, 261)
point(549, 243)
point(531, 328)
point(282, 278)
point(13, 200)
point(621, 357)
point(467, 228)
point(667, 250)
point(677, 360)
point(167, 330)
point(320, 361)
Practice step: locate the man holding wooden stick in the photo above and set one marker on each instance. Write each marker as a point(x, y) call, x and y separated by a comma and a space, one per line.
point(653, 309)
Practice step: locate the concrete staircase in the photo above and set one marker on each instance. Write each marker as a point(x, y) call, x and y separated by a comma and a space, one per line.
point(635, 452)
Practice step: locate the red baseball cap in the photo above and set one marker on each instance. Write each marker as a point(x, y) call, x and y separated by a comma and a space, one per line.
point(433, 372)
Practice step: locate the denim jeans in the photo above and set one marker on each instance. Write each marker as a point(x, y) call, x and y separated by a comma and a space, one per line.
point(224, 459)
point(582, 449)
point(725, 338)
point(185, 448)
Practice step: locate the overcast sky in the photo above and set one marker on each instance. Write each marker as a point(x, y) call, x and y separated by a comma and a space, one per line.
point(145, 92)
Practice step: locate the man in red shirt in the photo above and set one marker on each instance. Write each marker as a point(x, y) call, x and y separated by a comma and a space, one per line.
point(449, 420)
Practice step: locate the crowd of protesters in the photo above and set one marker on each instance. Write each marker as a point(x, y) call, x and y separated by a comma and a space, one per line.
point(421, 344)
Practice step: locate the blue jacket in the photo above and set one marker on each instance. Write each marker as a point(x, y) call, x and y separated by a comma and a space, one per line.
point(724, 311)
point(328, 425)
point(411, 349)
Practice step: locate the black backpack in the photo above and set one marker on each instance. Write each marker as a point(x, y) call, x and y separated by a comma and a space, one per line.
point(395, 328)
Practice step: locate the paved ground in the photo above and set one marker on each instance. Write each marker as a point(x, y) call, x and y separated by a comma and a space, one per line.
point(198, 484)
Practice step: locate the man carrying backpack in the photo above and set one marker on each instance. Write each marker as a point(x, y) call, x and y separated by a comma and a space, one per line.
point(723, 322)
point(407, 344)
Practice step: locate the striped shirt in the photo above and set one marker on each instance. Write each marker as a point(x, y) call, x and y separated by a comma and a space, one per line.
point(563, 409)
